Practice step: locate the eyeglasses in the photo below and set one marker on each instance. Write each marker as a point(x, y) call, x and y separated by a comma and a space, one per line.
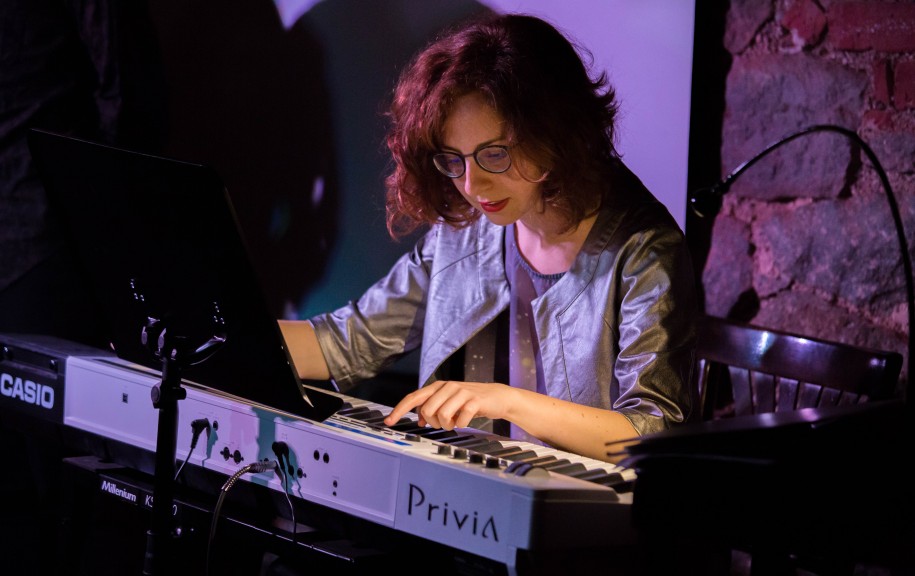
point(494, 159)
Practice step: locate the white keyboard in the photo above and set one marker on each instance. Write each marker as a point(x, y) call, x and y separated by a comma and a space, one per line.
point(487, 499)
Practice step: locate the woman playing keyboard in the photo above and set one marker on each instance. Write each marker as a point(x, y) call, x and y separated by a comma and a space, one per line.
point(551, 293)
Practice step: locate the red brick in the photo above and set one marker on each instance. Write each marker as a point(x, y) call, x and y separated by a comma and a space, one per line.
point(904, 88)
point(882, 71)
point(882, 26)
point(878, 119)
point(805, 18)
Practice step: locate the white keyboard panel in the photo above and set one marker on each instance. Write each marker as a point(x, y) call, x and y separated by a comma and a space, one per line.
point(458, 497)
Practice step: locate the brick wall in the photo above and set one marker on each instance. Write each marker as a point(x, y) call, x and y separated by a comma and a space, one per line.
point(805, 240)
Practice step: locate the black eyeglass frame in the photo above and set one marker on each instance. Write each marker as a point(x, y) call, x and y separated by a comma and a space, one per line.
point(504, 147)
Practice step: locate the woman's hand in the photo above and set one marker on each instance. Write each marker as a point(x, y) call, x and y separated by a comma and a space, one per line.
point(563, 424)
point(449, 404)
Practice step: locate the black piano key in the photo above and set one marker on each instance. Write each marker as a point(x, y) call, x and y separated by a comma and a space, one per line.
point(614, 480)
point(505, 452)
point(555, 463)
point(458, 438)
point(592, 474)
point(375, 421)
point(569, 468)
point(403, 426)
point(538, 460)
point(471, 443)
point(486, 447)
point(367, 414)
point(441, 434)
point(523, 455)
point(406, 423)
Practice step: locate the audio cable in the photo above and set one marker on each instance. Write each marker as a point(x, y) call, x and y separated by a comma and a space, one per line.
point(253, 468)
point(284, 469)
point(197, 427)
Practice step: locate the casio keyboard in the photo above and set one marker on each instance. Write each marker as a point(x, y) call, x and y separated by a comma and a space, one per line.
point(467, 489)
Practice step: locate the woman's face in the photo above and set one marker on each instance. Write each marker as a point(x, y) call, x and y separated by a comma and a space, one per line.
point(503, 198)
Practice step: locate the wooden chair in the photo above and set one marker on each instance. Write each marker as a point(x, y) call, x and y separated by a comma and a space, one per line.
point(745, 370)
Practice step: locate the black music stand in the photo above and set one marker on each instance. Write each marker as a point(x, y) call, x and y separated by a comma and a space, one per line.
point(162, 247)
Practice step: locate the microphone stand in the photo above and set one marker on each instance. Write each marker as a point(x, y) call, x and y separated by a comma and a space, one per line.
point(707, 201)
point(173, 352)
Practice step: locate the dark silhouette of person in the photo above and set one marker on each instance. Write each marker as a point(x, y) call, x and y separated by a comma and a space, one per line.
point(85, 68)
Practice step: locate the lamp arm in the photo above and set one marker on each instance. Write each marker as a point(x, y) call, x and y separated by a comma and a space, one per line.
point(709, 200)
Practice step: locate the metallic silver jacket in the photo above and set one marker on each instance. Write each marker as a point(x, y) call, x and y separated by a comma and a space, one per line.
point(616, 332)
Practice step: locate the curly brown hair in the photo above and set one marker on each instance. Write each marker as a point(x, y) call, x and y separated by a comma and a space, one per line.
point(538, 81)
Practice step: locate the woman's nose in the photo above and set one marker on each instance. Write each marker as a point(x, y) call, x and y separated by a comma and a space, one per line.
point(475, 177)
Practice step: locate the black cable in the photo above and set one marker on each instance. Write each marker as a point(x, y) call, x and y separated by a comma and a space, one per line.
point(285, 478)
point(254, 468)
point(197, 427)
point(281, 450)
point(708, 201)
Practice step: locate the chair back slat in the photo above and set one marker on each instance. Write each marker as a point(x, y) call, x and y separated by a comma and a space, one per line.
point(788, 394)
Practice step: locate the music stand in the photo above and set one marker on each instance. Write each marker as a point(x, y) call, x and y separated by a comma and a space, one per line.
point(173, 277)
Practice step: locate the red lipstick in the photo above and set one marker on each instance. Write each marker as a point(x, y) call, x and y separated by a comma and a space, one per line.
point(493, 206)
